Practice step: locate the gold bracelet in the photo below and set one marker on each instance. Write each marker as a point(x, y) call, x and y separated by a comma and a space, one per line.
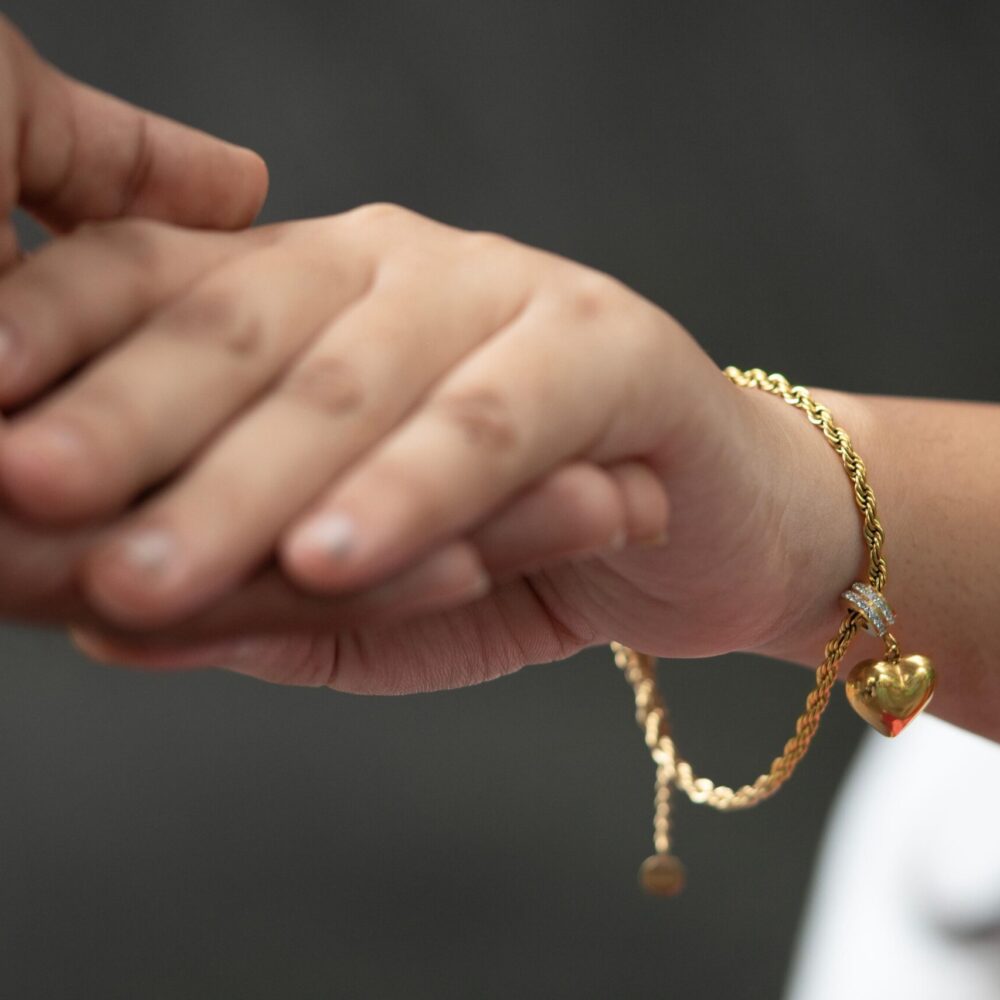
point(888, 693)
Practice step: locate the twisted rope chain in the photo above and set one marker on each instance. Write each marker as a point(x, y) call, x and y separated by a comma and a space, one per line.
point(640, 668)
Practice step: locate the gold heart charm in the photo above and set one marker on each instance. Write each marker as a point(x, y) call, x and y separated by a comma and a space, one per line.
point(890, 694)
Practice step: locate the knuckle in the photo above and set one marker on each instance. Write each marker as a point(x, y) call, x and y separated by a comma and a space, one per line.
point(377, 213)
point(213, 316)
point(486, 242)
point(591, 294)
point(483, 414)
point(141, 161)
point(329, 384)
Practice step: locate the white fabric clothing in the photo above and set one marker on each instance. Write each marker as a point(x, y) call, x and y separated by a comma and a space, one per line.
point(905, 896)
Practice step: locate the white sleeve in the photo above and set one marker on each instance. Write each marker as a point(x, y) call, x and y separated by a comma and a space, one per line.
point(905, 895)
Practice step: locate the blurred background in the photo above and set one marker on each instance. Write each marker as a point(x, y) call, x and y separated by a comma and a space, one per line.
point(810, 189)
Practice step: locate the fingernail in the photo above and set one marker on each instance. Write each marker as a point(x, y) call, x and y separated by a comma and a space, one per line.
point(334, 534)
point(147, 551)
point(658, 539)
point(480, 587)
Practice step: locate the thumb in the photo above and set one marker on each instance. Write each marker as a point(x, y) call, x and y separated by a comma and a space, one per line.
point(70, 153)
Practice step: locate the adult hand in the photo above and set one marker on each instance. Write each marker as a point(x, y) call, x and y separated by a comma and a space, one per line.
point(381, 401)
point(69, 153)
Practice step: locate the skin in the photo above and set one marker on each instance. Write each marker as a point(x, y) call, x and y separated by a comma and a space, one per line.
point(69, 154)
point(509, 470)
point(455, 394)
point(932, 464)
point(503, 521)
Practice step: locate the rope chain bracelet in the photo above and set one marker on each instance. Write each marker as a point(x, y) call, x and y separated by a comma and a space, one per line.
point(888, 693)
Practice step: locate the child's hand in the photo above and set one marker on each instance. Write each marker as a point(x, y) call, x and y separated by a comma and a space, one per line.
point(376, 395)
point(69, 153)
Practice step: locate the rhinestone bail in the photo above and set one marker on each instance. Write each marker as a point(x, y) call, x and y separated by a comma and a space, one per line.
point(872, 607)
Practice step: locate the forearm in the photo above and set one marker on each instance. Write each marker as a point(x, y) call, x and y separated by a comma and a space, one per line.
point(934, 467)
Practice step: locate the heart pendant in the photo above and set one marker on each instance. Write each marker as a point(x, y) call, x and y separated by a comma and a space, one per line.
point(890, 694)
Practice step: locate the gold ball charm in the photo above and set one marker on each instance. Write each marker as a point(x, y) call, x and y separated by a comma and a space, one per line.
point(661, 875)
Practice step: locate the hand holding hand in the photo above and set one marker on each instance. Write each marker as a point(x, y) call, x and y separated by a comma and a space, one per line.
point(68, 154)
point(381, 401)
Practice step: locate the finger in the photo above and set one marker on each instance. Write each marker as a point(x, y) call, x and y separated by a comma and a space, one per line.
point(577, 511)
point(70, 152)
point(646, 502)
point(78, 294)
point(225, 514)
point(451, 576)
point(37, 574)
point(469, 644)
point(539, 392)
point(10, 248)
point(146, 405)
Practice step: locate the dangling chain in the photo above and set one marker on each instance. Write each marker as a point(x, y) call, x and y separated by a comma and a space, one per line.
point(662, 873)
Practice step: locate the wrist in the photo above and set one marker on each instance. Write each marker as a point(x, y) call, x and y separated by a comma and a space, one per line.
point(821, 526)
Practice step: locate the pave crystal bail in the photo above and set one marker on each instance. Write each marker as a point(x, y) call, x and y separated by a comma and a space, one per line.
point(872, 607)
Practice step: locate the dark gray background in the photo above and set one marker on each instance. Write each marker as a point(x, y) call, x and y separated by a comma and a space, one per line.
point(811, 188)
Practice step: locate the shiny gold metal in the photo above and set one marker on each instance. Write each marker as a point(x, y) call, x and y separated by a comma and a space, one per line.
point(890, 694)
point(886, 693)
point(662, 875)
